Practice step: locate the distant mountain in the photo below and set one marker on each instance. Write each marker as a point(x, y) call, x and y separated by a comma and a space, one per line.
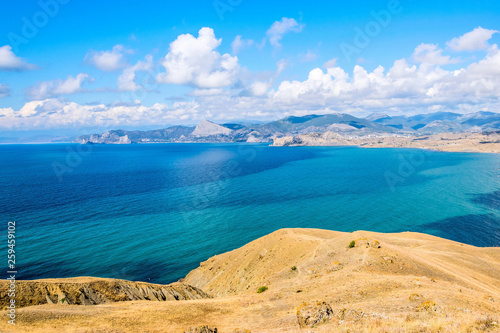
point(170, 134)
point(439, 122)
point(321, 123)
point(208, 128)
point(376, 124)
point(376, 116)
point(436, 116)
point(484, 119)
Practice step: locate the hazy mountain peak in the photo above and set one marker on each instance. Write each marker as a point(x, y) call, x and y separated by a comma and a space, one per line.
point(207, 128)
point(376, 116)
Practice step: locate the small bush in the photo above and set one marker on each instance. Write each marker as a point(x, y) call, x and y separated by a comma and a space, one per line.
point(262, 289)
point(352, 244)
point(485, 324)
point(294, 268)
point(427, 306)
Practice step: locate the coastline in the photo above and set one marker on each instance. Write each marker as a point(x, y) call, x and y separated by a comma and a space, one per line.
point(486, 142)
point(445, 142)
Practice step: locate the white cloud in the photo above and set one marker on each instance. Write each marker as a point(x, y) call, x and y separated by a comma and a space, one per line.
point(404, 88)
point(4, 90)
point(10, 62)
point(432, 55)
point(260, 88)
point(59, 87)
point(194, 61)
point(281, 65)
point(415, 84)
point(307, 57)
point(280, 28)
point(207, 92)
point(330, 63)
point(126, 81)
point(474, 40)
point(108, 61)
point(258, 84)
point(55, 113)
point(239, 43)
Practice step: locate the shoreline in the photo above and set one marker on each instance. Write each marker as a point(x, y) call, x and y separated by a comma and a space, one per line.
point(496, 149)
point(445, 142)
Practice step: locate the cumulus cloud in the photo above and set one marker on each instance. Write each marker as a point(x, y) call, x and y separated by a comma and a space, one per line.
point(280, 28)
point(404, 88)
point(474, 40)
point(416, 84)
point(432, 55)
point(47, 89)
point(195, 61)
point(4, 90)
point(258, 84)
point(108, 61)
point(126, 81)
point(239, 43)
point(260, 88)
point(10, 62)
point(56, 113)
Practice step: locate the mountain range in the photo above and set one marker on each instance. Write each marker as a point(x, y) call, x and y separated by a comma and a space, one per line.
point(345, 124)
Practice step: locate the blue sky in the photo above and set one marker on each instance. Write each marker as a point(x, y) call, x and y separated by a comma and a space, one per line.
point(268, 74)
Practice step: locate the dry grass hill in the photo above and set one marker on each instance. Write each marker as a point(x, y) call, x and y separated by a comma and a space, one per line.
point(294, 280)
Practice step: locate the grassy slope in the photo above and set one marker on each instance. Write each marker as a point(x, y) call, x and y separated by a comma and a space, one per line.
point(381, 289)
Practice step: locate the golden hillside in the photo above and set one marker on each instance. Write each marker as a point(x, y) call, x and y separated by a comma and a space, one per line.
point(317, 281)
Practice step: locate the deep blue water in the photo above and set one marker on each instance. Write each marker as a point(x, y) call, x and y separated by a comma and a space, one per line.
point(153, 212)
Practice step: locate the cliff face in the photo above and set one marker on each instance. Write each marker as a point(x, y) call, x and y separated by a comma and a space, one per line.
point(313, 139)
point(93, 291)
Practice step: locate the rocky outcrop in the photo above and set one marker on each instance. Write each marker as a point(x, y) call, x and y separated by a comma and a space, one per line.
point(208, 329)
point(208, 128)
point(201, 329)
point(109, 137)
point(313, 139)
point(309, 315)
point(313, 314)
point(89, 291)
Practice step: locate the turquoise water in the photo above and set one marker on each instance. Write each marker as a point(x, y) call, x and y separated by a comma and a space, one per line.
point(153, 212)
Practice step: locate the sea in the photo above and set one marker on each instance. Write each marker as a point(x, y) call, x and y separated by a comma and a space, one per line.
point(153, 212)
